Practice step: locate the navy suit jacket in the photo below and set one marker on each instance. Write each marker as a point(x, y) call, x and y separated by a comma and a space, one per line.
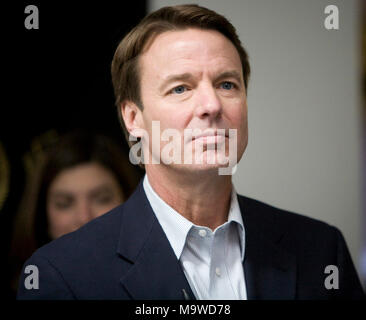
point(125, 254)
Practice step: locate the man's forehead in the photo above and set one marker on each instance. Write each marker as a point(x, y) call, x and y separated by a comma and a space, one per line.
point(184, 39)
point(182, 33)
point(179, 51)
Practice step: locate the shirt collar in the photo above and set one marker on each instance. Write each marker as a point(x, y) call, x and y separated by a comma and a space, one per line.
point(235, 216)
point(177, 227)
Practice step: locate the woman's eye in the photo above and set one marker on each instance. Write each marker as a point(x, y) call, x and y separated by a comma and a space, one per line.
point(62, 205)
point(179, 90)
point(104, 199)
point(227, 85)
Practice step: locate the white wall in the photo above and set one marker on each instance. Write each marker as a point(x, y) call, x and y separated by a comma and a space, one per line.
point(304, 151)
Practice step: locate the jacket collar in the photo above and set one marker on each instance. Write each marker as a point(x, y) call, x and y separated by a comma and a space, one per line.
point(270, 271)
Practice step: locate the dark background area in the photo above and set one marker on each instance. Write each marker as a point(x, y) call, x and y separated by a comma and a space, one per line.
point(56, 79)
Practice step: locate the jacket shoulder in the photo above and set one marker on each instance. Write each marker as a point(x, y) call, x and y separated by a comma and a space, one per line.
point(283, 219)
point(77, 264)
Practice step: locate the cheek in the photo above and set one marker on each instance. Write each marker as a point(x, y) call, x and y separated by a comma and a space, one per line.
point(98, 210)
point(239, 121)
point(171, 115)
point(238, 117)
point(243, 135)
point(60, 218)
point(243, 123)
point(173, 119)
point(59, 223)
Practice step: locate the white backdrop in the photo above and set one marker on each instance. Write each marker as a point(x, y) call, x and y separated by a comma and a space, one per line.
point(304, 107)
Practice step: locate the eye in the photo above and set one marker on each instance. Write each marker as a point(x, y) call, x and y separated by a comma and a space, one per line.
point(63, 204)
point(104, 199)
point(227, 85)
point(179, 90)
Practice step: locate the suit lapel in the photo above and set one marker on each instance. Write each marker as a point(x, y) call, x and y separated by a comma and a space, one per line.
point(270, 271)
point(156, 272)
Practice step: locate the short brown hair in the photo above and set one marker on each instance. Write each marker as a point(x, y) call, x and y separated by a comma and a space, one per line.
point(125, 68)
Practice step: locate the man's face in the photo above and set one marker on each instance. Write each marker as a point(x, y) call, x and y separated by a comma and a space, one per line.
point(192, 79)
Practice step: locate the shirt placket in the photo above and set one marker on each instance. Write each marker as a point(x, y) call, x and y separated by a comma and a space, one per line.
point(217, 268)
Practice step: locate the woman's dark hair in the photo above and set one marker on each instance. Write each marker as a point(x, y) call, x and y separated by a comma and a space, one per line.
point(72, 150)
point(31, 223)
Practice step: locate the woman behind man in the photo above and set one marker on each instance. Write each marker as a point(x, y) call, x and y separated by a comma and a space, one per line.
point(82, 177)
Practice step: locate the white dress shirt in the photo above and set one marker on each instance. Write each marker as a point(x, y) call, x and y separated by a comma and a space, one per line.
point(212, 261)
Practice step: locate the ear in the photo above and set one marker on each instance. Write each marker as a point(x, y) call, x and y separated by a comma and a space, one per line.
point(132, 116)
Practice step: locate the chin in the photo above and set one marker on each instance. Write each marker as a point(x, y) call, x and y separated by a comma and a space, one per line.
point(209, 164)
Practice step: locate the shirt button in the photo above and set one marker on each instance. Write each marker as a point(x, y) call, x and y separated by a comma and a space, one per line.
point(202, 233)
point(218, 272)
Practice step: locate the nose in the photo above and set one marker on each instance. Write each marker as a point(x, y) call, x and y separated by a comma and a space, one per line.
point(208, 102)
point(85, 212)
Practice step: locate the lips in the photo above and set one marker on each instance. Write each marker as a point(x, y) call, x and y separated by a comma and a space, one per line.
point(211, 139)
point(210, 136)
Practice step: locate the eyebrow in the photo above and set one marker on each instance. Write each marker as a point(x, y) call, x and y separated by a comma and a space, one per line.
point(187, 76)
point(61, 194)
point(175, 77)
point(92, 192)
point(229, 74)
point(102, 189)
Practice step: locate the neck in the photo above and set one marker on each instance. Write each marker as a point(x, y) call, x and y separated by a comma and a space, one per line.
point(203, 198)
